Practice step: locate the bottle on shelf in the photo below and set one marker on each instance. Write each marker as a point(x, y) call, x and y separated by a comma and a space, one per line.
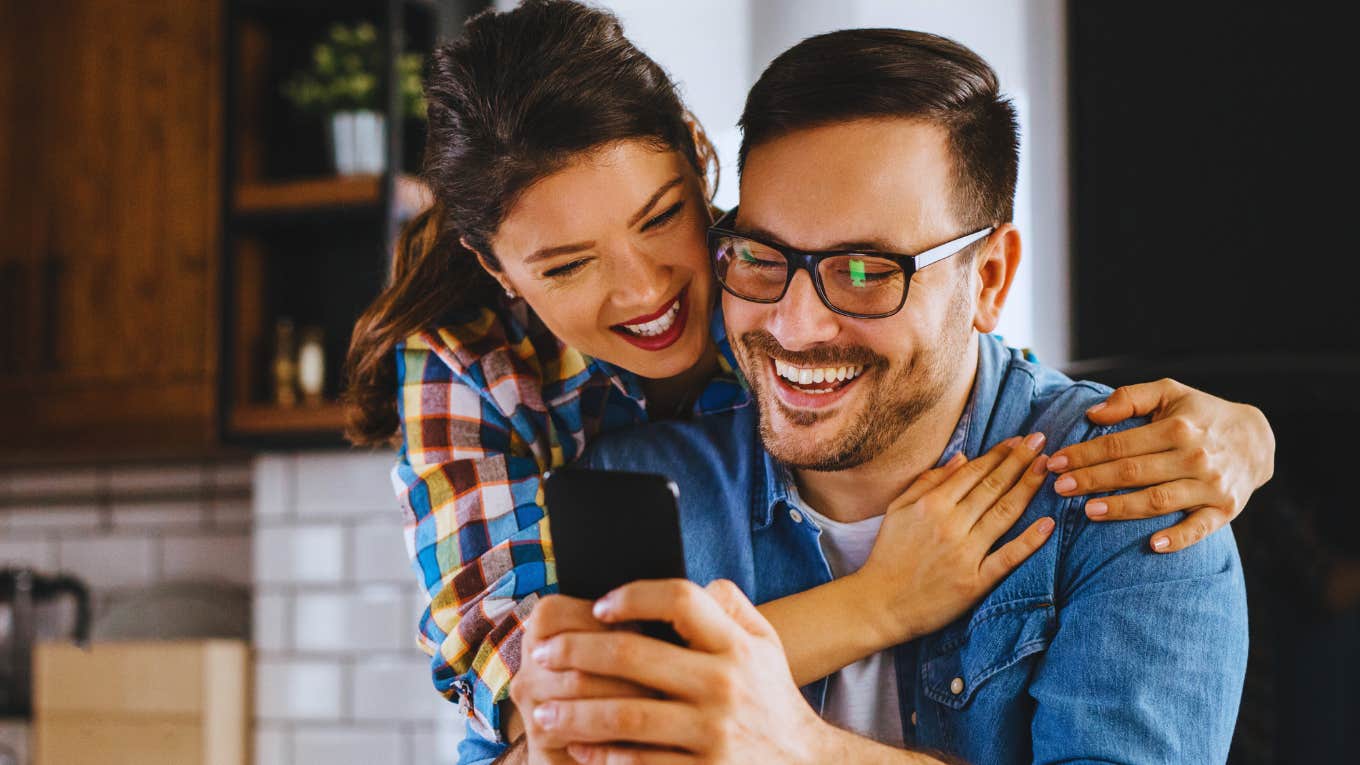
point(285, 364)
point(311, 366)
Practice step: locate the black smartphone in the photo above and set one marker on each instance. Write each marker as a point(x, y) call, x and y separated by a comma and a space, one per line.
point(610, 528)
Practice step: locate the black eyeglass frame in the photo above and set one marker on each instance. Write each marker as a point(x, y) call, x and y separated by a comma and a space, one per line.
point(805, 260)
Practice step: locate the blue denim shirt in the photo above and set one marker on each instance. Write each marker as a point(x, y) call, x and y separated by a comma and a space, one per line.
point(1095, 650)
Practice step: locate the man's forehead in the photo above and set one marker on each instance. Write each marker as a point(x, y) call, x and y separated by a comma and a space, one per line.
point(885, 182)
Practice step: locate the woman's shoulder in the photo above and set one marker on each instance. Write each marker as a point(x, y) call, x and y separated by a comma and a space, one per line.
point(470, 337)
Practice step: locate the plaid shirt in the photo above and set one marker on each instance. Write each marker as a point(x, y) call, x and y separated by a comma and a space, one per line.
point(487, 406)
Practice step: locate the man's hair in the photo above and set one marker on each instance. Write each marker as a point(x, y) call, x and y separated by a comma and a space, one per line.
point(877, 73)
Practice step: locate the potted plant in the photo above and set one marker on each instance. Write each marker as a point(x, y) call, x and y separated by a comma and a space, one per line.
point(341, 85)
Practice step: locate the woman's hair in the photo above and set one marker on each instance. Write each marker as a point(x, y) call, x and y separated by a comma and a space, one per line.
point(515, 99)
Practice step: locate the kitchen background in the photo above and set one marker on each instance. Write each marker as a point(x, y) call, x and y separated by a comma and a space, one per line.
point(196, 200)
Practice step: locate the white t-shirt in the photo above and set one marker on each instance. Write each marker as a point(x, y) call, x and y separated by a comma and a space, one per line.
point(862, 697)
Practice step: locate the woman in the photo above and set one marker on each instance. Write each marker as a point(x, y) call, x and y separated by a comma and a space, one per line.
point(560, 288)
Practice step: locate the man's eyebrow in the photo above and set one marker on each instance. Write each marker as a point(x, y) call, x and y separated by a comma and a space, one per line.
point(867, 245)
point(642, 212)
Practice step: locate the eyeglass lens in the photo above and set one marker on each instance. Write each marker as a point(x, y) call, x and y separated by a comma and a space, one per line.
point(854, 283)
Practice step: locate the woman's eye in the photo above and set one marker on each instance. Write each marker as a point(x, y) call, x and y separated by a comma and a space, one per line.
point(664, 217)
point(565, 268)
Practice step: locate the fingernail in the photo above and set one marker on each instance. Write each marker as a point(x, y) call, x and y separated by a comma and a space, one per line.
point(603, 609)
point(1034, 441)
point(1161, 543)
point(1057, 462)
point(1045, 525)
point(1096, 408)
point(957, 458)
point(1096, 509)
point(1040, 465)
point(540, 655)
point(1066, 483)
point(546, 715)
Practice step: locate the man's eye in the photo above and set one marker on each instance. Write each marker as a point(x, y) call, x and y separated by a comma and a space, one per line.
point(664, 217)
point(565, 268)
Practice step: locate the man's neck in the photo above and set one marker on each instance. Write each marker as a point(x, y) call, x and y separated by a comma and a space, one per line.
point(866, 490)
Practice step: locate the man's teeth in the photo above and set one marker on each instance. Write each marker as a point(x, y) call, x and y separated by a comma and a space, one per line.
point(658, 325)
point(810, 375)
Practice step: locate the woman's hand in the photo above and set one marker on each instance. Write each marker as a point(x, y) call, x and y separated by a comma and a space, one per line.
point(931, 560)
point(1200, 453)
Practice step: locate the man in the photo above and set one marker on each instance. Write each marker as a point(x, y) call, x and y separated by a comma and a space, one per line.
point(866, 375)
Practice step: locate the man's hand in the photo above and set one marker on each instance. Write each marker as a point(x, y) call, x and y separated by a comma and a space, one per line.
point(1200, 454)
point(536, 684)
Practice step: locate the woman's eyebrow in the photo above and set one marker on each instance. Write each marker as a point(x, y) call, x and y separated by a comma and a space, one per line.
point(642, 212)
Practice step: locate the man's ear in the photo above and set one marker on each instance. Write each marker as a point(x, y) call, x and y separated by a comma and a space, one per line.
point(496, 273)
point(996, 266)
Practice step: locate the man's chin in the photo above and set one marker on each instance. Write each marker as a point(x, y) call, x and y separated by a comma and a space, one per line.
point(808, 439)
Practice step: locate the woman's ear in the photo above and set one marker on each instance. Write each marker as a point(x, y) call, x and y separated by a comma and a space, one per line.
point(707, 154)
point(496, 273)
point(996, 266)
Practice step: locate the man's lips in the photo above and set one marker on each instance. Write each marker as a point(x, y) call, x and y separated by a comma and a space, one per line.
point(798, 397)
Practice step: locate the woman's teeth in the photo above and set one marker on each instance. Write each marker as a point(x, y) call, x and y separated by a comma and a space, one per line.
point(804, 376)
point(656, 326)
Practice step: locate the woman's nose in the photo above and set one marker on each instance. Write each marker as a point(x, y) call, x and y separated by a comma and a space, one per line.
point(640, 281)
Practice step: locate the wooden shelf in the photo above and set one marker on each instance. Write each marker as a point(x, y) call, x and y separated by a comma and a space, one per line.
point(307, 194)
point(269, 420)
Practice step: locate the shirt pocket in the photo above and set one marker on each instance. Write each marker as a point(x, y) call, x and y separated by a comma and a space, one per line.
point(995, 639)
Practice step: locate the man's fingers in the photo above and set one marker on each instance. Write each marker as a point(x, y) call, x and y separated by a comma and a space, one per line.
point(575, 684)
point(1002, 477)
point(696, 616)
point(929, 480)
point(735, 603)
point(996, 520)
point(629, 657)
point(1192, 530)
point(1009, 556)
point(641, 721)
point(619, 754)
point(1151, 502)
point(1133, 401)
point(1128, 473)
point(1173, 432)
point(555, 614)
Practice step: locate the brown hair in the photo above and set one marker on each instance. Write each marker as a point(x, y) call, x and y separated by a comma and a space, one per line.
point(865, 73)
point(515, 99)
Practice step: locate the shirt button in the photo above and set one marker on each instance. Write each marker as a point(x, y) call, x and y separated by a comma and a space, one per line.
point(956, 686)
point(913, 719)
point(795, 515)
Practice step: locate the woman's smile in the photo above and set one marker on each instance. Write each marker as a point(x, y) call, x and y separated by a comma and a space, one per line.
point(659, 329)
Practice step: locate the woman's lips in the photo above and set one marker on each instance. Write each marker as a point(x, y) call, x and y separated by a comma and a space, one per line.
point(665, 339)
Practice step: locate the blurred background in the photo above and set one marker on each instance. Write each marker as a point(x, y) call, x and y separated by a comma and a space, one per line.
point(197, 199)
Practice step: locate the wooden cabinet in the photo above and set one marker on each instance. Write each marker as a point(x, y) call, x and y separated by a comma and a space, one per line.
point(110, 207)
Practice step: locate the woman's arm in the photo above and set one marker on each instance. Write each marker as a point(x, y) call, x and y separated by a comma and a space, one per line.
point(1199, 454)
point(949, 518)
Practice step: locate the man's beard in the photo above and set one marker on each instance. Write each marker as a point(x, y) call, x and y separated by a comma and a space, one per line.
point(891, 408)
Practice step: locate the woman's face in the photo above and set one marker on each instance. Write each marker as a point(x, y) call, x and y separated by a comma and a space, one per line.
point(610, 253)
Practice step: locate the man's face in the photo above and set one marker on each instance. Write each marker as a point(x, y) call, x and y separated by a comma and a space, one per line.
point(880, 184)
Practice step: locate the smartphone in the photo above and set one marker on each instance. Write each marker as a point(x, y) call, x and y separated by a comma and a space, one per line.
point(610, 528)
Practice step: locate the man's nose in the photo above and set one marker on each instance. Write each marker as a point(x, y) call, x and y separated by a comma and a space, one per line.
point(801, 320)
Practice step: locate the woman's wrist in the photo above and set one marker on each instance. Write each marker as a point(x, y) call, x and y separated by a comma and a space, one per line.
point(877, 606)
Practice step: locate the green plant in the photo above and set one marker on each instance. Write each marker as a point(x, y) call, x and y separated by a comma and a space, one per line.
point(344, 75)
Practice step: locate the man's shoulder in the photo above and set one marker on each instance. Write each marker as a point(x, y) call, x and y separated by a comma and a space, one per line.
point(1034, 397)
point(710, 446)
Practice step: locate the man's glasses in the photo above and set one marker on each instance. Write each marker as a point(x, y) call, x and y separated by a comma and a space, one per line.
point(861, 285)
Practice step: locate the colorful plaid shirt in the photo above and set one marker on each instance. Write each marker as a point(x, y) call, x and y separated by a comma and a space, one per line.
point(487, 405)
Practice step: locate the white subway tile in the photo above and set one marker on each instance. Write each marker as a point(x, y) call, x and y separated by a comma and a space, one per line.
point(369, 619)
point(437, 743)
point(298, 690)
point(61, 519)
point(274, 479)
point(270, 622)
point(273, 745)
point(219, 557)
point(286, 554)
point(109, 562)
point(158, 515)
point(186, 477)
point(387, 688)
point(39, 554)
point(345, 483)
point(344, 746)
point(380, 552)
point(320, 622)
point(59, 481)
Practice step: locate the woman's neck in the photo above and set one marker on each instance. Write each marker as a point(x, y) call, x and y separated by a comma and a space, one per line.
point(672, 398)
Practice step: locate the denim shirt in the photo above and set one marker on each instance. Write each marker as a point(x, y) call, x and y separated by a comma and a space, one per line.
point(1094, 650)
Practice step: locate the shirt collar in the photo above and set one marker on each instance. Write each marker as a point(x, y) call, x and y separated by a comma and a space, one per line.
point(777, 490)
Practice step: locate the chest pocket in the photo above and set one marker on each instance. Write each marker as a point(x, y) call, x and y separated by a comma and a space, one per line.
point(962, 662)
